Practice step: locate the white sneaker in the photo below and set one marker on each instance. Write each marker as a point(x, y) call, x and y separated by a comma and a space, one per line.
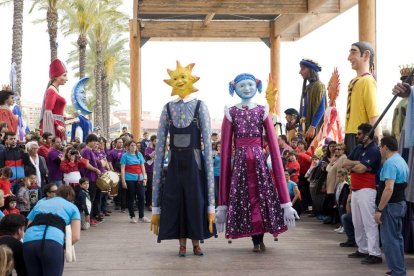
point(133, 220)
point(338, 229)
point(144, 220)
point(341, 231)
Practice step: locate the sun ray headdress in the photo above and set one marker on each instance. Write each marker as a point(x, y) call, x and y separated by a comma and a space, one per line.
point(331, 125)
point(182, 80)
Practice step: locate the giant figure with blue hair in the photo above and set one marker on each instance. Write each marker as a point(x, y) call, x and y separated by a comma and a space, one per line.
point(250, 200)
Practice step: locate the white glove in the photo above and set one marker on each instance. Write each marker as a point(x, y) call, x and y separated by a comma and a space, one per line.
point(289, 215)
point(221, 218)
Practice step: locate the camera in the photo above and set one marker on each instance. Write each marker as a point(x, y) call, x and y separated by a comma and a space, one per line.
point(21, 146)
point(74, 152)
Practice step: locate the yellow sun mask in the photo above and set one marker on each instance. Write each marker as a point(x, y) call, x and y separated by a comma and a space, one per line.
point(182, 80)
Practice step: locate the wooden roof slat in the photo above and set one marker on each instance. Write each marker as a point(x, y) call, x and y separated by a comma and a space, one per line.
point(208, 18)
point(284, 22)
point(223, 6)
point(226, 19)
point(197, 29)
point(313, 22)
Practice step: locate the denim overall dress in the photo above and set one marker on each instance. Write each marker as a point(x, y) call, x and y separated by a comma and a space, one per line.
point(184, 201)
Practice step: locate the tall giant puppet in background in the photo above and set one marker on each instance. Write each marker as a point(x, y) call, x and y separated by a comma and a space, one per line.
point(272, 95)
point(21, 124)
point(51, 117)
point(6, 102)
point(185, 207)
point(331, 124)
point(250, 202)
point(83, 126)
point(312, 101)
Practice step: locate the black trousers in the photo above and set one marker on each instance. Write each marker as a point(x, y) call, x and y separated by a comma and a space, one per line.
point(49, 261)
point(135, 191)
point(95, 194)
point(303, 186)
point(257, 239)
point(328, 208)
point(148, 190)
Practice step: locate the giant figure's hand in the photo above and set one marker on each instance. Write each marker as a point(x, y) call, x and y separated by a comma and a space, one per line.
point(61, 129)
point(310, 133)
point(221, 217)
point(155, 223)
point(289, 215)
point(211, 221)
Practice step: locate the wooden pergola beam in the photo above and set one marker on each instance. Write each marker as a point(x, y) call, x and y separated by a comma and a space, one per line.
point(286, 21)
point(238, 7)
point(134, 17)
point(222, 6)
point(314, 21)
point(197, 29)
point(208, 18)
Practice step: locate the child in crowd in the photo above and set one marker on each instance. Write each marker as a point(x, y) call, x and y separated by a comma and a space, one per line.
point(34, 190)
point(293, 193)
point(23, 197)
point(5, 185)
point(10, 206)
point(83, 202)
point(70, 166)
point(293, 167)
point(341, 195)
point(314, 164)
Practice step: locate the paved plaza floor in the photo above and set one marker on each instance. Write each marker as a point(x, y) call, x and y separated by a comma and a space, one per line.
point(117, 247)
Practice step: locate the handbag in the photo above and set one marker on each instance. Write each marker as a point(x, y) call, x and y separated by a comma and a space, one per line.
point(70, 255)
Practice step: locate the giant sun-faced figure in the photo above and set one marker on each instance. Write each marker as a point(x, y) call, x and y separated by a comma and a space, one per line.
point(185, 209)
point(182, 80)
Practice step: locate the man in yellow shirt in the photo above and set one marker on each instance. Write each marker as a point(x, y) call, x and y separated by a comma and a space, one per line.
point(362, 104)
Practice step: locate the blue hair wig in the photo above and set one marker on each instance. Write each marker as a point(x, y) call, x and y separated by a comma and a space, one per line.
point(244, 76)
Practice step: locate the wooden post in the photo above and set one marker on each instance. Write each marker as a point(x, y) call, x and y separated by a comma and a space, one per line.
point(367, 23)
point(275, 63)
point(135, 78)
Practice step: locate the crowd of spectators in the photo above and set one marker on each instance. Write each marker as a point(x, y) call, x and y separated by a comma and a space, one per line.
point(331, 185)
point(47, 184)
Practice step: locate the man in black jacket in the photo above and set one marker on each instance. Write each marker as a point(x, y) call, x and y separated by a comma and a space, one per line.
point(14, 157)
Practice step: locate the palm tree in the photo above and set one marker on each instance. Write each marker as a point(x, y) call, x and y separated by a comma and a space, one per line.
point(78, 19)
point(106, 52)
point(108, 21)
point(115, 73)
point(17, 45)
point(116, 65)
point(52, 18)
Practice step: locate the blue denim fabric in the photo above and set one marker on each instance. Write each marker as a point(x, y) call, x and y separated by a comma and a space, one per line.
point(391, 236)
point(346, 220)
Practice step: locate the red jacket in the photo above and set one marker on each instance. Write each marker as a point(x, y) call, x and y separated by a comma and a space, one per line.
point(5, 186)
point(305, 161)
point(11, 211)
point(293, 166)
point(67, 166)
point(43, 150)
